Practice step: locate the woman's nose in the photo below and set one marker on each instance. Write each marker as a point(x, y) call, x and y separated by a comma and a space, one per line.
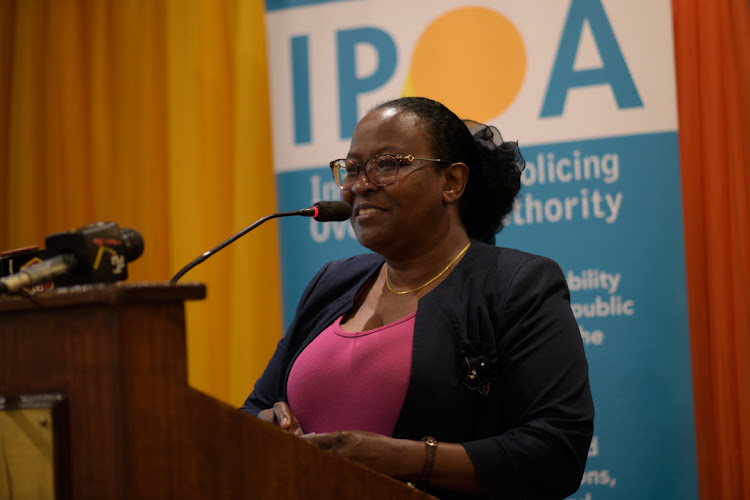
point(363, 184)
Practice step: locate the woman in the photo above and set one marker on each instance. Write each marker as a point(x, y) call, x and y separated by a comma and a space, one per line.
point(439, 359)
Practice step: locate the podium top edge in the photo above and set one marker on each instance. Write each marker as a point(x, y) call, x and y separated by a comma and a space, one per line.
point(104, 293)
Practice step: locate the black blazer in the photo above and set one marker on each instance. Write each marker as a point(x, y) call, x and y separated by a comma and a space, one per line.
point(498, 365)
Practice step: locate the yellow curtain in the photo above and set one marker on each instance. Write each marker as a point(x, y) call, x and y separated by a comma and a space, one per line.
point(153, 114)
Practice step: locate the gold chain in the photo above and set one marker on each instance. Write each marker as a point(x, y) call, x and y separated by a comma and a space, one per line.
point(388, 284)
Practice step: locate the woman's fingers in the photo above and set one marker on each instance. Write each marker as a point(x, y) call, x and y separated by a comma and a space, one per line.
point(281, 416)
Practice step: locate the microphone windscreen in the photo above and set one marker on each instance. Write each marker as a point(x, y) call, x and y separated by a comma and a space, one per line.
point(332, 211)
point(132, 241)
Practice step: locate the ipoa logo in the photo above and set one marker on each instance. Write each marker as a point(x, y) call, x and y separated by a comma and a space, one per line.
point(471, 59)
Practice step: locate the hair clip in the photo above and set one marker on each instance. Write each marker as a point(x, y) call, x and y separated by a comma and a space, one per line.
point(489, 139)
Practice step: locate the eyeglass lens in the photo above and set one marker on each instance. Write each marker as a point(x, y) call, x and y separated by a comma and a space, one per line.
point(380, 170)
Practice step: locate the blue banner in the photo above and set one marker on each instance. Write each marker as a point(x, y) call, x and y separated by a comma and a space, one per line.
point(587, 87)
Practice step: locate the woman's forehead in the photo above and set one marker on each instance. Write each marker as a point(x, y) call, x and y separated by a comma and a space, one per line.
point(386, 127)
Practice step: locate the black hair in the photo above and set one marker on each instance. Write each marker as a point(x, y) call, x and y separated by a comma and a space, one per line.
point(494, 169)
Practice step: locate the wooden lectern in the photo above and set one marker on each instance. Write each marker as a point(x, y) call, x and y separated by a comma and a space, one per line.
point(133, 427)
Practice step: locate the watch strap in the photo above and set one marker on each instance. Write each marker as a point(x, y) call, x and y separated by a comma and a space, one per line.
point(430, 450)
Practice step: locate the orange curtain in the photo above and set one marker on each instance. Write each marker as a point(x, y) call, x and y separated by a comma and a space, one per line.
point(153, 114)
point(712, 41)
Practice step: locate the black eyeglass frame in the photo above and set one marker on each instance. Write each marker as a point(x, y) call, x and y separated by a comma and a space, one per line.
point(335, 166)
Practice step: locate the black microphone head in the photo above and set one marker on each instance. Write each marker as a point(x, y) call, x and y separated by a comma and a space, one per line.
point(132, 242)
point(102, 251)
point(332, 211)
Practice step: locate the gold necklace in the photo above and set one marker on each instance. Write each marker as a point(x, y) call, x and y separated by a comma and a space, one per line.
point(388, 284)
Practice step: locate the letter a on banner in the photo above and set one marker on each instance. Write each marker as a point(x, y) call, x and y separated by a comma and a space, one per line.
point(614, 72)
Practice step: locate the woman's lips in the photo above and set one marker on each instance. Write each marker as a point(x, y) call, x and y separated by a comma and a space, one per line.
point(368, 212)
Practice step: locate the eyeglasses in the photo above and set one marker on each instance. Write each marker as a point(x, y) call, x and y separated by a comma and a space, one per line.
point(381, 170)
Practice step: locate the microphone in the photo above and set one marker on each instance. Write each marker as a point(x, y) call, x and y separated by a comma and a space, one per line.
point(327, 211)
point(322, 211)
point(43, 272)
point(95, 253)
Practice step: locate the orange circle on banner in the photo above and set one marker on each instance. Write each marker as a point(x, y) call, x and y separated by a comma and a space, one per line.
point(472, 59)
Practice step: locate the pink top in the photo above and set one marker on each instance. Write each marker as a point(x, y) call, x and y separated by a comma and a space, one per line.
point(344, 380)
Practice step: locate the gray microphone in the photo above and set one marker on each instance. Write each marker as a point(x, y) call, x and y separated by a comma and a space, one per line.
point(43, 272)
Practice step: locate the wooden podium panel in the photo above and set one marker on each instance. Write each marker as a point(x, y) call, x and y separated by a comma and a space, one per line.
point(136, 430)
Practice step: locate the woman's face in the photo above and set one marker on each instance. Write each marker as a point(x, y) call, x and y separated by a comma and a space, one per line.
point(403, 218)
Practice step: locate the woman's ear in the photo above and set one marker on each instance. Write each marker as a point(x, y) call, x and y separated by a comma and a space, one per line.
point(455, 178)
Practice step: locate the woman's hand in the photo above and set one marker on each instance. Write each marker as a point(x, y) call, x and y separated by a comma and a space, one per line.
point(281, 416)
point(403, 459)
point(384, 454)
